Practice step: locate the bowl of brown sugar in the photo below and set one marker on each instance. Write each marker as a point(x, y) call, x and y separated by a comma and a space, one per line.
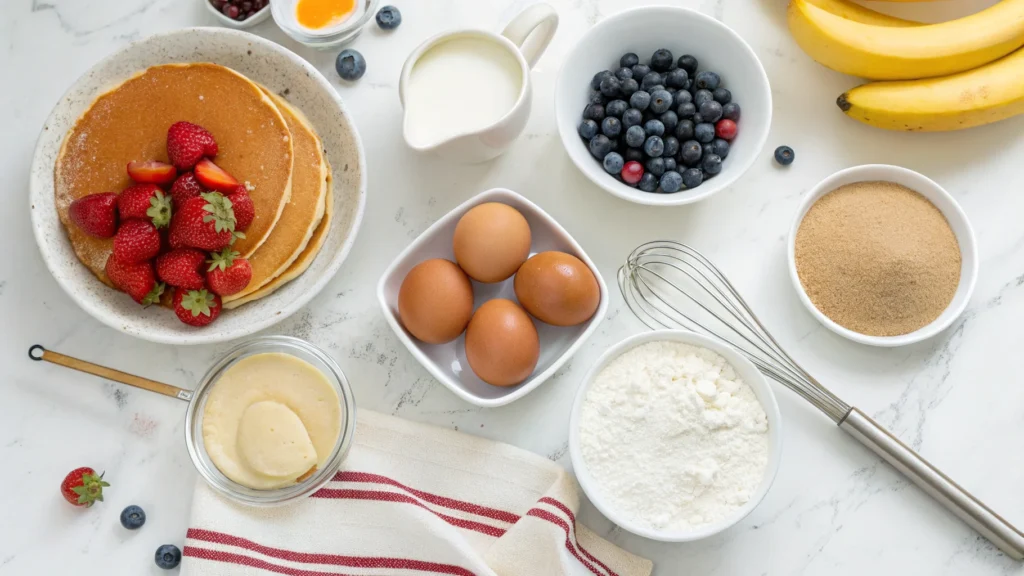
point(882, 255)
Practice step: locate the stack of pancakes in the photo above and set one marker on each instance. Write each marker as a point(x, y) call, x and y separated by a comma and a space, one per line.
point(264, 142)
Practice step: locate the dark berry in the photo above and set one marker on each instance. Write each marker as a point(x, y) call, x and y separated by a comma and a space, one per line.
point(704, 132)
point(670, 163)
point(702, 96)
point(671, 146)
point(596, 97)
point(686, 110)
point(707, 80)
point(594, 112)
point(784, 155)
point(133, 517)
point(613, 163)
point(624, 74)
point(640, 100)
point(654, 128)
point(388, 18)
point(648, 183)
point(611, 127)
point(684, 130)
point(671, 181)
point(661, 60)
point(231, 11)
point(676, 78)
point(661, 101)
point(595, 82)
point(692, 178)
point(168, 556)
point(682, 97)
point(632, 172)
point(688, 63)
point(655, 166)
point(711, 111)
point(690, 153)
point(720, 147)
point(697, 118)
point(641, 70)
point(629, 59)
point(712, 164)
point(600, 146)
point(726, 129)
point(657, 87)
point(654, 146)
point(635, 136)
point(632, 117)
point(350, 65)
point(722, 95)
point(587, 129)
point(629, 86)
point(616, 108)
point(731, 111)
point(670, 120)
point(611, 87)
point(633, 155)
point(650, 80)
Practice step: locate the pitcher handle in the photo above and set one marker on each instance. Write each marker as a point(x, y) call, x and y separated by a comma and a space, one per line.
point(539, 20)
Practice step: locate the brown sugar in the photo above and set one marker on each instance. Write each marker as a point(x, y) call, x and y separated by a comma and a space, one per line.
point(877, 258)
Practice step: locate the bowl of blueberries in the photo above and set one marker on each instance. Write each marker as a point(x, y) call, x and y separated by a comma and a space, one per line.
point(662, 106)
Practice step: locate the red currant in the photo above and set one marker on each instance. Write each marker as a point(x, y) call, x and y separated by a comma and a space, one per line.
point(632, 172)
point(725, 129)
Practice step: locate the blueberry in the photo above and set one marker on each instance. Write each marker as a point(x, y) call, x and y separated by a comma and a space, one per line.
point(594, 112)
point(661, 101)
point(692, 178)
point(350, 65)
point(712, 164)
point(635, 136)
point(600, 146)
point(684, 130)
point(704, 132)
point(690, 153)
point(613, 163)
point(784, 155)
point(702, 96)
point(133, 517)
point(641, 70)
point(697, 118)
point(650, 80)
point(654, 146)
point(689, 84)
point(629, 86)
point(655, 166)
point(671, 181)
point(624, 74)
point(731, 111)
point(711, 111)
point(634, 155)
point(683, 97)
point(670, 163)
point(654, 128)
point(632, 117)
point(707, 80)
point(676, 78)
point(596, 97)
point(640, 100)
point(610, 86)
point(595, 82)
point(720, 147)
point(661, 60)
point(670, 120)
point(629, 59)
point(648, 182)
point(388, 18)
point(616, 108)
point(587, 129)
point(722, 95)
point(671, 146)
point(686, 110)
point(688, 63)
point(613, 143)
point(657, 87)
point(611, 127)
point(168, 556)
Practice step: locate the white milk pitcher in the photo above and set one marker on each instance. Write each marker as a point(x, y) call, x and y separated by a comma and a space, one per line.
point(467, 93)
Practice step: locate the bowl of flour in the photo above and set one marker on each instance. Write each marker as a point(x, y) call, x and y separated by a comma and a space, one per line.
point(674, 436)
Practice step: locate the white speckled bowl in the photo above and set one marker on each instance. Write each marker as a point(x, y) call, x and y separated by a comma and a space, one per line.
point(263, 61)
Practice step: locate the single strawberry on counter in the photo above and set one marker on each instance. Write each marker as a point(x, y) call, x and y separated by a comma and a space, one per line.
point(228, 274)
point(206, 222)
point(188, 143)
point(136, 241)
point(151, 172)
point(181, 268)
point(196, 307)
point(136, 280)
point(214, 177)
point(83, 486)
point(145, 202)
point(96, 214)
point(241, 204)
point(185, 187)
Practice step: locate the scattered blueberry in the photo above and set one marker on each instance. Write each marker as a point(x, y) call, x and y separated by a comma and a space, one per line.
point(712, 164)
point(632, 117)
point(688, 63)
point(671, 146)
point(661, 60)
point(641, 70)
point(654, 128)
point(654, 146)
point(720, 147)
point(711, 111)
point(650, 80)
point(611, 127)
point(648, 182)
point(594, 112)
point(600, 146)
point(388, 18)
point(168, 556)
point(722, 95)
point(670, 120)
point(610, 86)
point(640, 100)
point(350, 65)
point(629, 59)
point(692, 178)
point(702, 96)
point(704, 132)
point(676, 78)
point(635, 136)
point(634, 155)
point(684, 130)
point(629, 86)
point(595, 83)
point(133, 517)
point(690, 153)
point(616, 108)
point(613, 163)
point(784, 155)
point(686, 110)
point(670, 164)
point(731, 111)
point(655, 166)
point(661, 101)
point(707, 80)
point(671, 181)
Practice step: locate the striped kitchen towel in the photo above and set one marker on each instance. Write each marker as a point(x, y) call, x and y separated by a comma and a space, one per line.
point(411, 500)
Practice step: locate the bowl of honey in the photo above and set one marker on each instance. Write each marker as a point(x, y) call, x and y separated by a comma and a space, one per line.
point(323, 24)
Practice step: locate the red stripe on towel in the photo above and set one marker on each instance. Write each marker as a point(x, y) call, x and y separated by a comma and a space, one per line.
point(241, 560)
point(381, 496)
point(545, 515)
point(572, 520)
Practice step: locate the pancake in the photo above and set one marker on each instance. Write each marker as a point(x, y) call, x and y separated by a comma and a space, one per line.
point(130, 123)
point(304, 209)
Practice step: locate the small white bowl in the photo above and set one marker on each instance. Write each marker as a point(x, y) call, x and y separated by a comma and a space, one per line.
point(447, 362)
point(644, 30)
point(937, 196)
point(260, 16)
point(744, 370)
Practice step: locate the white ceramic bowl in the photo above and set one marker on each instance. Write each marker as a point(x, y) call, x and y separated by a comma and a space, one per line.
point(644, 30)
point(260, 16)
point(746, 372)
point(263, 61)
point(447, 362)
point(937, 196)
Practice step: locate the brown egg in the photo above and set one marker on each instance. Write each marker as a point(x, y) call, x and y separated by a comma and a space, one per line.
point(435, 301)
point(502, 345)
point(491, 241)
point(557, 288)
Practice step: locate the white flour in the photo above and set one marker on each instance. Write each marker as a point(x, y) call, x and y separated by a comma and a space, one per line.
point(673, 437)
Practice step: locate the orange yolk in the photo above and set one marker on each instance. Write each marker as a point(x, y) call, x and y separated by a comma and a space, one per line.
point(320, 13)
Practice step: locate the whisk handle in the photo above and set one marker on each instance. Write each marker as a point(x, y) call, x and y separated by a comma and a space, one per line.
point(939, 486)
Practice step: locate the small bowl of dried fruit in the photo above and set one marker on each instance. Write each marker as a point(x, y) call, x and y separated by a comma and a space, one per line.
point(239, 13)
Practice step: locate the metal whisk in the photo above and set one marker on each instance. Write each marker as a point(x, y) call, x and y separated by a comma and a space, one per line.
point(670, 285)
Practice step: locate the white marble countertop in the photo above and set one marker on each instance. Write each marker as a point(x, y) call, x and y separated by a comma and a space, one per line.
point(834, 509)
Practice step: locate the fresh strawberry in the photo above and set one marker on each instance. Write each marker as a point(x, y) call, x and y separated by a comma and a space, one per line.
point(180, 268)
point(243, 207)
point(185, 187)
point(228, 274)
point(196, 307)
point(187, 143)
point(207, 223)
point(136, 241)
point(83, 486)
point(137, 280)
point(151, 172)
point(214, 177)
point(145, 202)
point(96, 214)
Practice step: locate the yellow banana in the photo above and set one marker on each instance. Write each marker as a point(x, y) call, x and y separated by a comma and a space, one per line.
point(987, 94)
point(858, 13)
point(891, 53)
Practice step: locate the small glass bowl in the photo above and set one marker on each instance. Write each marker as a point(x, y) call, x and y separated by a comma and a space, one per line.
point(194, 422)
point(284, 14)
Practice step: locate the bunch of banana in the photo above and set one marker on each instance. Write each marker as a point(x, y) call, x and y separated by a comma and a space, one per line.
point(947, 76)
